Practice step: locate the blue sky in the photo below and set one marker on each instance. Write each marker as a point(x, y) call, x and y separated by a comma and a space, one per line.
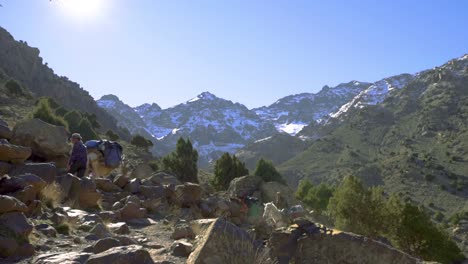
point(249, 51)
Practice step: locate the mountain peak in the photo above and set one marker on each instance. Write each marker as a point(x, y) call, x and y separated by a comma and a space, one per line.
point(204, 95)
point(110, 97)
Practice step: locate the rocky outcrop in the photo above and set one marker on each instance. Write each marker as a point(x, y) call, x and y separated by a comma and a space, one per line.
point(246, 185)
point(13, 153)
point(188, 194)
point(46, 141)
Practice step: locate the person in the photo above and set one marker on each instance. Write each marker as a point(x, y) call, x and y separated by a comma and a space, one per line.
point(78, 157)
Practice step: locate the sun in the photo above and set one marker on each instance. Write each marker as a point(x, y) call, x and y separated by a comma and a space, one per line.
point(82, 10)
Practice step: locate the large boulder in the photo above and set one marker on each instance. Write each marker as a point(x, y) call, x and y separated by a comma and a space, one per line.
point(11, 204)
point(13, 153)
point(153, 192)
point(246, 185)
point(10, 184)
point(16, 224)
point(5, 167)
point(106, 185)
point(133, 186)
point(121, 180)
point(102, 245)
point(122, 255)
point(62, 258)
point(37, 183)
point(88, 196)
point(5, 131)
point(11, 247)
point(188, 194)
point(142, 171)
point(270, 189)
point(162, 178)
point(222, 242)
point(46, 171)
point(132, 211)
point(45, 140)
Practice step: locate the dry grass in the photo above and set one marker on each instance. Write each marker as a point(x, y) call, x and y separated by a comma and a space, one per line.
point(51, 195)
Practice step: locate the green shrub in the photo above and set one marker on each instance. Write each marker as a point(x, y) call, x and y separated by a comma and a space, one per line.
point(267, 171)
point(15, 89)
point(73, 119)
point(44, 112)
point(183, 161)
point(86, 130)
point(111, 135)
point(226, 169)
point(315, 197)
point(141, 142)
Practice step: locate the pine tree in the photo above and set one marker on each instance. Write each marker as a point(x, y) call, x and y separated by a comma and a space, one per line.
point(183, 161)
point(267, 171)
point(112, 135)
point(141, 142)
point(226, 169)
point(86, 130)
point(73, 119)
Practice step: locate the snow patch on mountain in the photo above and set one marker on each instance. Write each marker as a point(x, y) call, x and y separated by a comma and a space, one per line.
point(292, 128)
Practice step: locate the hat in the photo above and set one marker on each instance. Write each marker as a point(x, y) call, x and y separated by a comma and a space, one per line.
point(76, 136)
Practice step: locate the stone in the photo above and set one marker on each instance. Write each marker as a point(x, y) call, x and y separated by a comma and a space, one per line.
point(117, 206)
point(5, 167)
point(100, 231)
point(142, 171)
point(11, 204)
point(182, 230)
point(110, 216)
point(162, 178)
point(62, 258)
point(102, 245)
point(13, 153)
point(181, 249)
point(121, 180)
point(221, 242)
point(26, 195)
point(151, 204)
point(34, 208)
point(133, 186)
point(83, 191)
point(270, 189)
point(5, 132)
point(119, 228)
point(153, 192)
point(45, 140)
point(36, 182)
point(68, 182)
point(8, 246)
point(45, 171)
point(106, 185)
point(199, 226)
point(17, 223)
point(131, 211)
point(243, 186)
point(11, 184)
point(188, 194)
point(134, 199)
point(126, 241)
point(122, 255)
point(46, 229)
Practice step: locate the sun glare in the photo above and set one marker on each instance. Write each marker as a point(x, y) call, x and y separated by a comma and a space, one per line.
point(82, 10)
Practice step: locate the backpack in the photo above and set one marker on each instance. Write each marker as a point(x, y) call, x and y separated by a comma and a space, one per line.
point(112, 152)
point(93, 144)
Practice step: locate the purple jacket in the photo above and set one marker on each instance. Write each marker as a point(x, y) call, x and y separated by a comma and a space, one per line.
point(79, 154)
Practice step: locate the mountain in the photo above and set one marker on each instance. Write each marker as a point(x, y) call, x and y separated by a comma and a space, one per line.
point(291, 113)
point(23, 63)
point(413, 141)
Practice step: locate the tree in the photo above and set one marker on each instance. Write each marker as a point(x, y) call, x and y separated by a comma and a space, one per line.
point(315, 197)
point(44, 112)
point(226, 169)
point(141, 142)
point(357, 209)
point(267, 171)
point(183, 161)
point(86, 130)
point(73, 119)
point(112, 135)
point(14, 88)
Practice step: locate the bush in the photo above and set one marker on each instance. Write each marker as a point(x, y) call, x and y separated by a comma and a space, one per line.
point(226, 169)
point(267, 171)
point(15, 89)
point(86, 130)
point(315, 197)
point(183, 161)
point(44, 112)
point(111, 135)
point(141, 142)
point(73, 119)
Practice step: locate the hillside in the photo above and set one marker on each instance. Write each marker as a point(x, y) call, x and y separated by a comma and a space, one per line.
point(414, 143)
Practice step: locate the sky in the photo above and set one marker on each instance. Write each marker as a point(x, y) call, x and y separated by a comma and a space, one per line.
point(248, 51)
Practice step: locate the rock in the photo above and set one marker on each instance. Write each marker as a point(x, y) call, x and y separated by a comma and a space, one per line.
point(117, 206)
point(182, 230)
point(142, 171)
point(134, 199)
point(17, 223)
point(5, 167)
point(162, 178)
point(181, 249)
point(154, 245)
point(62, 258)
point(34, 208)
point(100, 231)
point(11, 204)
point(131, 211)
point(13, 153)
point(133, 186)
point(26, 195)
point(119, 228)
point(126, 241)
point(222, 242)
point(153, 192)
point(46, 171)
point(122, 255)
point(83, 191)
point(151, 204)
point(68, 182)
point(45, 140)
point(8, 246)
point(199, 226)
point(270, 189)
point(58, 218)
point(5, 132)
point(121, 180)
point(11, 184)
point(110, 216)
point(106, 185)
point(141, 221)
point(348, 248)
point(36, 182)
point(46, 229)
point(246, 185)
point(188, 194)
point(102, 245)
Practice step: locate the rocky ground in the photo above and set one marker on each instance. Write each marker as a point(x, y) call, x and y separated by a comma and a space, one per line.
point(48, 216)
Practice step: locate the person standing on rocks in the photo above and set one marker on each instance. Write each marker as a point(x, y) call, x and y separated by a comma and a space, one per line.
point(78, 157)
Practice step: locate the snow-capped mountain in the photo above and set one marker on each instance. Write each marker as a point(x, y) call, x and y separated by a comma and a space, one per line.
point(291, 113)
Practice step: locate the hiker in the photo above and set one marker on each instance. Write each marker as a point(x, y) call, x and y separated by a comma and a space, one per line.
point(78, 157)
